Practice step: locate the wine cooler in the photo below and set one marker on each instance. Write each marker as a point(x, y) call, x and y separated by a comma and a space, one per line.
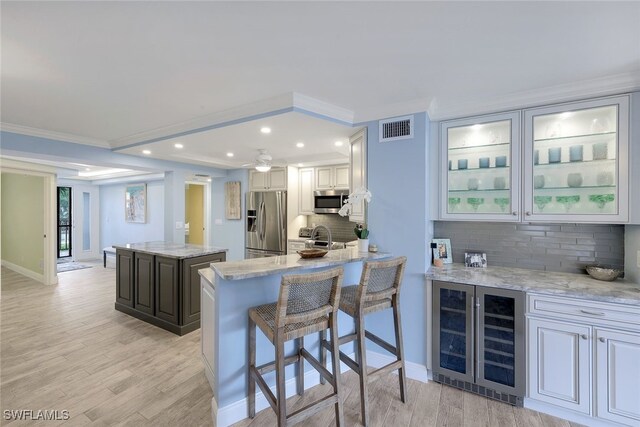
point(478, 340)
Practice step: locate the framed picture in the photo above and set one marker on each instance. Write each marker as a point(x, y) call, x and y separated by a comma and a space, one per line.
point(442, 250)
point(232, 200)
point(135, 203)
point(475, 259)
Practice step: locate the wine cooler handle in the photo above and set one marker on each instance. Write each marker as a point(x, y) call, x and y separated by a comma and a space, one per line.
point(476, 374)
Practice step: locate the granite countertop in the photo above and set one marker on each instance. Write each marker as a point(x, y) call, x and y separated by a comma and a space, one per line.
point(543, 282)
point(257, 267)
point(171, 250)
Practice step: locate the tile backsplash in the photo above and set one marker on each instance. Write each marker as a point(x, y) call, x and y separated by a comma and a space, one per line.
point(340, 226)
point(551, 247)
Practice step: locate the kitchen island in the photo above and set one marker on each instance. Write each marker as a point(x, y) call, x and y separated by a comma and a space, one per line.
point(158, 282)
point(229, 289)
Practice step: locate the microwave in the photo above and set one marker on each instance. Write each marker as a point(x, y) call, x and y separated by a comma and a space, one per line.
point(329, 201)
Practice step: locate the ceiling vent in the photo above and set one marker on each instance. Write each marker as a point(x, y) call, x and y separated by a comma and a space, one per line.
point(396, 129)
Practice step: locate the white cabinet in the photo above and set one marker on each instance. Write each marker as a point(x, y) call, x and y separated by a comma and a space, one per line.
point(560, 363)
point(585, 356)
point(332, 177)
point(275, 179)
point(306, 185)
point(570, 164)
point(576, 160)
point(208, 329)
point(618, 376)
point(358, 169)
point(481, 168)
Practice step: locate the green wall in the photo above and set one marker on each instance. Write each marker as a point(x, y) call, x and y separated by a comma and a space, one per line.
point(22, 220)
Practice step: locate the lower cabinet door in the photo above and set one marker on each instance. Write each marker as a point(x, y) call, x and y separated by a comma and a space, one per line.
point(144, 283)
point(560, 363)
point(167, 281)
point(208, 330)
point(191, 285)
point(124, 277)
point(618, 376)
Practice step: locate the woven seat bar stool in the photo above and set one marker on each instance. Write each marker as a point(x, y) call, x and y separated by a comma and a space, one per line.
point(379, 289)
point(308, 303)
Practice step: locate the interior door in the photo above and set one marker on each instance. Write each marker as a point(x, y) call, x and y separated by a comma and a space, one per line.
point(86, 222)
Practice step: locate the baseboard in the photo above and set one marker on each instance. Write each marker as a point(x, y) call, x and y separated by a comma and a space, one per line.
point(567, 414)
point(25, 272)
point(237, 411)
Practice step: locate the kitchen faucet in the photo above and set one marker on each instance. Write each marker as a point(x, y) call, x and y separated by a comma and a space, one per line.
point(318, 227)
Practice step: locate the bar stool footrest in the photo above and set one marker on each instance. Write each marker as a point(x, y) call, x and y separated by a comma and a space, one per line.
point(271, 398)
point(393, 366)
point(318, 366)
point(382, 343)
point(271, 366)
point(312, 408)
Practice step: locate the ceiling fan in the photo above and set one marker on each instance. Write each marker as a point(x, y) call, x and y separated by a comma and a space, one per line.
point(262, 162)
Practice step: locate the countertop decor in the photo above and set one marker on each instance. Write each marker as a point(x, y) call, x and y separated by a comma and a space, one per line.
point(543, 282)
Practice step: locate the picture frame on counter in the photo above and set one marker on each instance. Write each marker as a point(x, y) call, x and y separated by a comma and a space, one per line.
point(475, 259)
point(442, 250)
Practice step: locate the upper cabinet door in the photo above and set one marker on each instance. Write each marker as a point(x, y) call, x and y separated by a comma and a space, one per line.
point(341, 177)
point(358, 167)
point(278, 179)
point(576, 162)
point(324, 178)
point(481, 168)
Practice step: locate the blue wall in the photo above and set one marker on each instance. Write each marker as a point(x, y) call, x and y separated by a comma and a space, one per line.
point(397, 174)
point(229, 233)
point(115, 230)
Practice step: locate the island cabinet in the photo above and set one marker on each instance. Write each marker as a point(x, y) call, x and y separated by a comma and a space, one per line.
point(162, 289)
point(585, 356)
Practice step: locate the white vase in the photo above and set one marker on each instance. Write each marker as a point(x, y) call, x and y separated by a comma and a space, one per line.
point(363, 245)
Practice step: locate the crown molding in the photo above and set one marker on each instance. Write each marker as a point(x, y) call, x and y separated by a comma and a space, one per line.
point(265, 108)
point(49, 134)
point(392, 110)
point(603, 86)
point(11, 165)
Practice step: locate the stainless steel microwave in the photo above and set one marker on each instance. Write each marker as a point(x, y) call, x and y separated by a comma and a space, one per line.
point(329, 201)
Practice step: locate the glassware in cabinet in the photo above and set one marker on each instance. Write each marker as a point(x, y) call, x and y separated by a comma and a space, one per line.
point(576, 161)
point(481, 167)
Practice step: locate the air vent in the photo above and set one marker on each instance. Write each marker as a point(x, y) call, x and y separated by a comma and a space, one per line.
point(396, 129)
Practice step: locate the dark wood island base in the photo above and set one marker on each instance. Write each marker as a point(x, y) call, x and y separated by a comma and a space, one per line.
point(159, 283)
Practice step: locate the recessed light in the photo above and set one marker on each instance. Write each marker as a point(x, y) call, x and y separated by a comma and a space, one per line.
point(229, 154)
point(265, 130)
point(300, 144)
point(566, 114)
point(178, 145)
point(208, 179)
point(338, 143)
point(146, 152)
point(87, 169)
point(476, 127)
point(300, 165)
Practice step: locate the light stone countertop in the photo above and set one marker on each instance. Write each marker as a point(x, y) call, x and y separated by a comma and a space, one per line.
point(543, 282)
point(171, 250)
point(257, 267)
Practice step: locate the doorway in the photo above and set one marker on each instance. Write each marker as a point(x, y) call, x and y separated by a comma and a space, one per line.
point(194, 214)
point(64, 222)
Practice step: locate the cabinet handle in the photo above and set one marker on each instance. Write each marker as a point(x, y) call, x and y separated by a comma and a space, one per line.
point(584, 336)
point(602, 339)
point(527, 213)
point(593, 313)
point(514, 213)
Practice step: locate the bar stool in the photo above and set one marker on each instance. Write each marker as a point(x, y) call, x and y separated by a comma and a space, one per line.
point(308, 303)
point(379, 289)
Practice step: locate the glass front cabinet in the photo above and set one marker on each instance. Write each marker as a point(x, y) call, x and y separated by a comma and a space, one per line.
point(576, 162)
point(569, 163)
point(482, 168)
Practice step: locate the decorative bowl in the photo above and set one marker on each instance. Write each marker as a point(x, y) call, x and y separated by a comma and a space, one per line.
point(603, 273)
point(312, 253)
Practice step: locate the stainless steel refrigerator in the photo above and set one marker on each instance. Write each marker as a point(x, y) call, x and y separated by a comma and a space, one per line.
point(266, 227)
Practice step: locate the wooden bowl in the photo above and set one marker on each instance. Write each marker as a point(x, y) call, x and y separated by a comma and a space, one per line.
point(312, 253)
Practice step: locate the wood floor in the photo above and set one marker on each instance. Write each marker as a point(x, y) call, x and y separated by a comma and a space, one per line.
point(64, 347)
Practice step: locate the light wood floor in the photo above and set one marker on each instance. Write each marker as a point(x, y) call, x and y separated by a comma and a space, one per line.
point(64, 347)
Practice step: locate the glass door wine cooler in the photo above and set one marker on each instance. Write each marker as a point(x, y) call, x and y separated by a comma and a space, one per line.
point(479, 336)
